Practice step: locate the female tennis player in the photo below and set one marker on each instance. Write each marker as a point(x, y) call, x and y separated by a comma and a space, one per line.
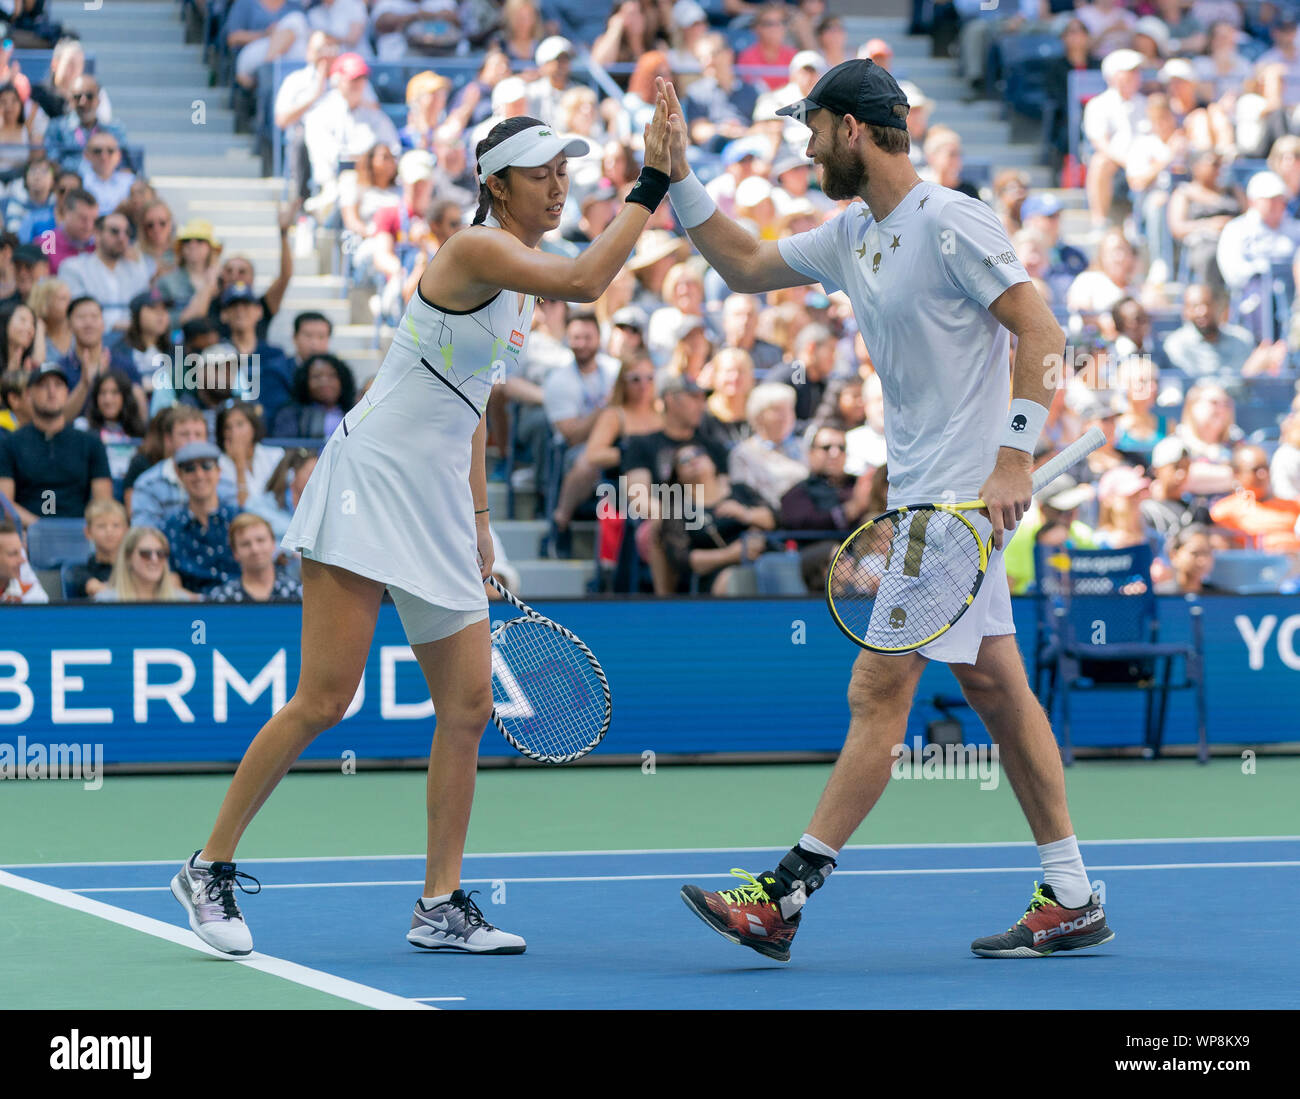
point(399, 501)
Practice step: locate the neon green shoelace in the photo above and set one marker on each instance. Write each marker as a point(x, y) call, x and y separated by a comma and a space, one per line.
point(1037, 901)
point(752, 893)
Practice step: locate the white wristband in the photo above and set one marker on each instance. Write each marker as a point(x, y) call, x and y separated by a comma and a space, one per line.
point(1025, 422)
point(692, 204)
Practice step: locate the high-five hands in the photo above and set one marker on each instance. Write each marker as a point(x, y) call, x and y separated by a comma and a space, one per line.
point(666, 95)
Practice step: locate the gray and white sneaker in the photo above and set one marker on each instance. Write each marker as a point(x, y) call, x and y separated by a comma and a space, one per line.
point(208, 896)
point(458, 924)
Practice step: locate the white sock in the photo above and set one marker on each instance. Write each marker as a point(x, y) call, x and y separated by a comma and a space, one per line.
point(429, 902)
point(200, 864)
point(811, 843)
point(1063, 871)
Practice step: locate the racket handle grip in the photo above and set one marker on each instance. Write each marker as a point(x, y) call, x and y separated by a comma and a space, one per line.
point(1080, 448)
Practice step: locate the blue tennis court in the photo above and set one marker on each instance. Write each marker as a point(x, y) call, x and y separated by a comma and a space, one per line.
point(1199, 922)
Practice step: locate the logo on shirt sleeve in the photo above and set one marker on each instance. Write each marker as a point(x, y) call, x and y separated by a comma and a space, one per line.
point(1001, 257)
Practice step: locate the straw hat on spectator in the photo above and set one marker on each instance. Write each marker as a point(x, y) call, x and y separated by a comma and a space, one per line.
point(198, 229)
point(425, 83)
point(654, 245)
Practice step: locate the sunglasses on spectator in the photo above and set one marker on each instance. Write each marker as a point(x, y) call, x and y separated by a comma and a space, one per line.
point(150, 554)
point(205, 464)
point(78, 96)
point(830, 446)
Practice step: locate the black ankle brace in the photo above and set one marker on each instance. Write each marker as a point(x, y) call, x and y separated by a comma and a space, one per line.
point(806, 867)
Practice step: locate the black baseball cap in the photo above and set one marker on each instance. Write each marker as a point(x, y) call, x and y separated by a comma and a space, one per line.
point(860, 88)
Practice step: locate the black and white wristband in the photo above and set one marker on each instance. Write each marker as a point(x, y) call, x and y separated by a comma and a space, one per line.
point(1025, 423)
point(649, 189)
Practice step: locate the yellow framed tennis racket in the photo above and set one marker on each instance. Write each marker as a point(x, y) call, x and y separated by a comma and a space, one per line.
point(906, 577)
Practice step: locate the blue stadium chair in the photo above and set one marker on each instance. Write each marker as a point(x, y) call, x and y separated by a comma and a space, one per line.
point(1112, 588)
point(1024, 62)
point(780, 574)
point(389, 80)
point(66, 571)
point(1240, 171)
point(53, 541)
point(1249, 572)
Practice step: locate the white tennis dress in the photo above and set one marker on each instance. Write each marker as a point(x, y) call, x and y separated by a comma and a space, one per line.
point(390, 497)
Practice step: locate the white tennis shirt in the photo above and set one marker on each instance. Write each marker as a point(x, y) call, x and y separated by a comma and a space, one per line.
point(921, 282)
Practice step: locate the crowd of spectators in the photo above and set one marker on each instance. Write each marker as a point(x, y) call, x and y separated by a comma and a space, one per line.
point(763, 413)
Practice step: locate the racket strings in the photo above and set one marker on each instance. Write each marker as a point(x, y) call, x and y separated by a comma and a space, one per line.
point(549, 697)
point(905, 578)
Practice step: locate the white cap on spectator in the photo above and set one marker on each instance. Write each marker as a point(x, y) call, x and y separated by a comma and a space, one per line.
point(415, 165)
point(1154, 28)
point(686, 13)
point(1265, 185)
point(510, 90)
point(1119, 61)
point(915, 97)
point(807, 59)
point(551, 48)
point(1169, 451)
point(1178, 68)
point(752, 191)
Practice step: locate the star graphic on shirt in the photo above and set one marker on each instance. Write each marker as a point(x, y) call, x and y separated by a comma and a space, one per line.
point(865, 211)
point(921, 205)
point(894, 246)
point(862, 252)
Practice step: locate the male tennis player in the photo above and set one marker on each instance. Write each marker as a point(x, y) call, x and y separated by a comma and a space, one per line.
point(936, 288)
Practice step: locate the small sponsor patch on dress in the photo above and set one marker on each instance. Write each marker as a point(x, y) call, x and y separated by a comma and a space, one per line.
point(517, 338)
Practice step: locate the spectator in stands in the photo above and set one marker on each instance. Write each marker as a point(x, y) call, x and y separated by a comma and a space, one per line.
point(1208, 430)
point(983, 25)
point(1204, 347)
point(102, 173)
point(344, 21)
point(141, 573)
point(1010, 189)
point(771, 50)
point(720, 528)
point(199, 529)
point(806, 68)
point(22, 340)
point(157, 489)
point(1056, 506)
point(284, 489)
point(426, 105)
point(683, 291)
point(299, 92)
point(842, 405)
point(324, 388)
point(148, 336)
point(242, 314)
point(739, 330)
point(75, 234)
point(13, 588)
point(30, 213)
point(15, 133)
point(341, 127)
point(631, 410)
point(1284, 50)
point(599, 206)
point(574, 394)
point(810, 371)
point(312, 332)
point(15, 404)
point(1094, 292)
point(89, 354)
point(1199, 211)
point(53, 95)
point(1140, 428)
point(156, 238)
point(1041, 214)
point(192, 284)
point(372, 188)
point(1191, 559)
point(626, 37)
point(624, 332)
point(106, 526)
point(66, 136)
point(1252, 512)
point(943, 161)
point(1284, 470)
point(49, 300)
point(719, 105)
point(690, 24)
point(521, 30)
point(1254, 246)
point(729, 377)
point(828, 499)
point(253, 544)
point(657, 252)
point(400, 26)
point(8, 281)
point(1168, 507)
point(108, 274)
point(245, 459)
point(263, 31)
point(648, 459)
point(1120, 524)
point(554, 60)
point(48, 467)
point(1032, 250)
point(1109, 25)
point(1154, 159)
point(112, 412)
point(472, 105)
point(693, 350)
point(771, 460)
point(1111, 120)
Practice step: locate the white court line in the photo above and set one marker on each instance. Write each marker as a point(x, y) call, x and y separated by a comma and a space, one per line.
point(438, 999)
point(276, 967)
point(893, 872)
point(662, 851)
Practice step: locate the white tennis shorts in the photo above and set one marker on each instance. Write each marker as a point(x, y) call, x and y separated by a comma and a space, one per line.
point(988, 616)
point(424, 621)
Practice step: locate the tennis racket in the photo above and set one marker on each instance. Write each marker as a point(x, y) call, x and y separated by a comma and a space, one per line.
point(905, 577)
point(550, 697)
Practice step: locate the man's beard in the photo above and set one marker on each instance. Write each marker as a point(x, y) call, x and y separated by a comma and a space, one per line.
point(843, 175)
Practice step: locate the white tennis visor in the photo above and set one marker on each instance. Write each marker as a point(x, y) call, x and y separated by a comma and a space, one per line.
point(530, 148)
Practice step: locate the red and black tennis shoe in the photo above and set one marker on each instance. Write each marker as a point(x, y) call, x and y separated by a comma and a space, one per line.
point(746, 915)
point(1048, 928)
